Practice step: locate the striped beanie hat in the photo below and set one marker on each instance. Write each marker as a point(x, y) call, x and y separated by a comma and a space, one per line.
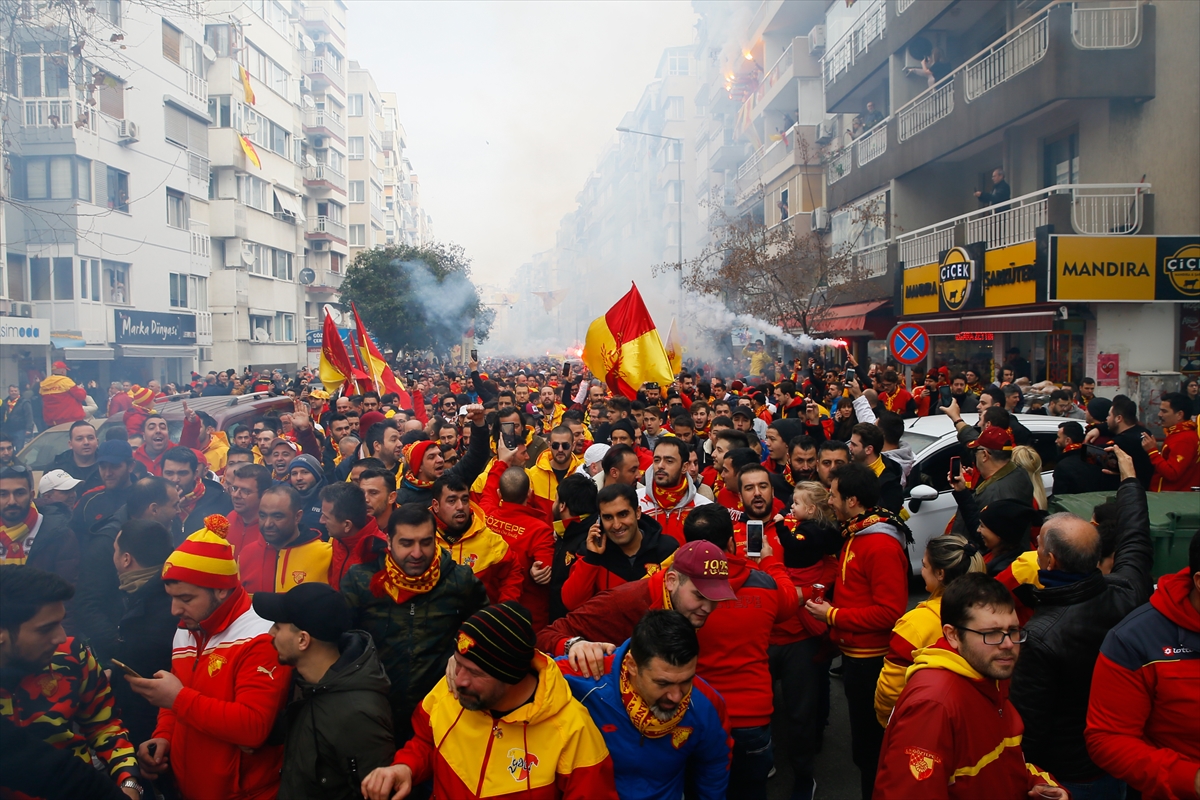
point(205, 558)
point(142, 396)
point(499, 640)
point(414, 453)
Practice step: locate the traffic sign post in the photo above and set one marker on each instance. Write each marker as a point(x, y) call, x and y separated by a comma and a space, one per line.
point(908, 343)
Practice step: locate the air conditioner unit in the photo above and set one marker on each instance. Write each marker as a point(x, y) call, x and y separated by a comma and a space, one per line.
point(320, 245)
point(21, 309)
point(816, 40)
point(305, 83)
point(127, 132)
point(826, 131)
point(819, 219)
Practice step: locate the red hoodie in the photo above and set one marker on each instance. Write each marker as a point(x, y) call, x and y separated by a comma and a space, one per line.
point(1143, 723)
point(530, 539)
point(359, 548)
point(240, 533)
point(870, 592)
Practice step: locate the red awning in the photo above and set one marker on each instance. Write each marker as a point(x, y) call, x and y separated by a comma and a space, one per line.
point(849, 318)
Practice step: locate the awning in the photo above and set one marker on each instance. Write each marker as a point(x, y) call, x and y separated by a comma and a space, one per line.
point(94, 353)
point(1029, 322)
point(156, 351)
point(848, 318)
point(290, 203)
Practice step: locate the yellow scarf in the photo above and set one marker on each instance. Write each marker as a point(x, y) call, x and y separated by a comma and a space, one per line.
point(57, 384)
point(392, 581)
point(639, 711)
point(12, 548)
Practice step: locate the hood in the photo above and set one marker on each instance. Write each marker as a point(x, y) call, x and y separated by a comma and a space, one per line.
point(688, 496)
point(544, 457)
point(357, 670)
point(477, 526)
point(1171, 600)
point(940, 655)
point(551, 696)
point(902, 455)
point(739, 569)
point(884, 527)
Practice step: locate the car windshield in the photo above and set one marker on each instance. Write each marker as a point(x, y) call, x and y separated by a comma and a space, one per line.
point(917, 441)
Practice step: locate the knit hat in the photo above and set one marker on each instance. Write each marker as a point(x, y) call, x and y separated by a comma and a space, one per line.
point(309, 463)
point(414, 453)
point(499, 640)
point(142, 396)
point(622, 425)
point(204, 559)
point(366, 421)
point(1098, 408)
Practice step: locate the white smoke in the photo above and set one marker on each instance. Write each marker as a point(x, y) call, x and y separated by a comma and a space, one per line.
point(716, 316)
point(444, 302)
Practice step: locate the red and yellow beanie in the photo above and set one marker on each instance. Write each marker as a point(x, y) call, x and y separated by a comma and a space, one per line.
point(142, 396)
point(205, 558)
point(414, 453)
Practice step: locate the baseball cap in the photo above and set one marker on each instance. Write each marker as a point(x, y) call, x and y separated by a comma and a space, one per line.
point(278, 440)
point(315, 608)
point(594, 454)
point(57, 480)
point(993, 438)
point(706, 566)
point(60, 365)
point(742, 411)
point(114, 451)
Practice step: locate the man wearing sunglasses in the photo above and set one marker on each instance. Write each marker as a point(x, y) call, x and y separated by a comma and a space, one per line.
point(954, 732)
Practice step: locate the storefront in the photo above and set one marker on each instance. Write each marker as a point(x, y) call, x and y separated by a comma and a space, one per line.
point(154, 345)
point(24, 350)
point(858, 324)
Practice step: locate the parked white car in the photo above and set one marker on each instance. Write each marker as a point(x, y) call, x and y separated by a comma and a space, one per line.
point(934, 442)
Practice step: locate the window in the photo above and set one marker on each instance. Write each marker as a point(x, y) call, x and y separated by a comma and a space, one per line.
point(354, 107)
point(260, 328)
point(217, 37)
point(256, 193)
point(676, 151)
point(265, 133)
point(285, 327)
point(112, 95)
point(39, 278)
point(177, 210)
point(674, 108)
point(56, 178)
point(269, 262)
point(358, 235)
point(109, 11)
point(116, 282)
point(89, 279)
point(64, 278)
point(281, 265)
point(45, 70)
point(1061, 157)
point(118, 190)
point(83, 179)
point(189, 291)
point(678, 64)
point(172, 41)
point(357, 191)
point(335, 262)
point(16, 277)
point(263, 68)
point(356, 148)
point(336, 161)
point(674, 192)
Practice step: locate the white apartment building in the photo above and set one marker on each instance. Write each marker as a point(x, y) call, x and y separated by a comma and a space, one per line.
point(406, 221)
point(365, 129)
point(106, 245)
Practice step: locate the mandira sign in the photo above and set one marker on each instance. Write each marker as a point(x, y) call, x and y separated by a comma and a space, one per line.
point(1125, 268)
point(152, 327)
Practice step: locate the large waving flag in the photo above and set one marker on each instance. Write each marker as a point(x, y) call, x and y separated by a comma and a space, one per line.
point(334, 368)
point(674, 348)
point(251, 153)
point(375, 365)
point(624, 347)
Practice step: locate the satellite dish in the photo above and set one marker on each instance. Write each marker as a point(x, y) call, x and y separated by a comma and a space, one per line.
point(307, 42)
point(307, 276)
point(309, 102)
point(261, 335)
point(209, 53)
point(247, 256)
point(309, 161)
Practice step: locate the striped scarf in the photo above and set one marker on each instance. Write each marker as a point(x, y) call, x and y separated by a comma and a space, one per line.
point(640, 713)
point(392, 581)
point(12, 546)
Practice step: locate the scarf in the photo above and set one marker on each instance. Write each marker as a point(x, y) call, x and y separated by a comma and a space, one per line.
point(392, 581)
point(1183, 427)
point(639, 711)
point(1071, 448)
point(56, 384)
point(874, 516)
point(11, 403)
point(668, 497)
point(411, 479)
point(187, 503)
point(136, 578)
point(785, 471)
point(12, 549)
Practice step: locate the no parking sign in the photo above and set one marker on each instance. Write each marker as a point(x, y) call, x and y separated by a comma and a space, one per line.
point(908, 343)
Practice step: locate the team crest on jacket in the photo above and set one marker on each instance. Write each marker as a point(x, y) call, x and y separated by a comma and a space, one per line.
point(920, 762)
point(469, 561)
point(465, 642)
point(568, 558)
point(679, 736)
point(520, 764)
point(298, 576)
point(214, 664)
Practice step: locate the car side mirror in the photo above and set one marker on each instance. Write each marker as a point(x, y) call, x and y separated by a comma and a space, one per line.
point(923, 492)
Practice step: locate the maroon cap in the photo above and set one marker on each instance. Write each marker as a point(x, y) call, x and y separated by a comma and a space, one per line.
point(993, 438)
point(367, 420)
point(706, 566)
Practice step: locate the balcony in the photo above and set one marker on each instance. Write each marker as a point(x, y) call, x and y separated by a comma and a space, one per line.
point(1054, 56)
point(326, 228)
point(325, 122)
point(200, 242)
point(324, 70)
point(58, 112)
point(196, 86)
point(840, 165)
point(319, 17)
point(325, 176)
point(1094, 209)
point(204, 334)
point(871, 27)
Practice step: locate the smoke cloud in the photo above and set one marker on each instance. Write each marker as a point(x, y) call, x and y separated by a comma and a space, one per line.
point(446, 303)
point(716, 315)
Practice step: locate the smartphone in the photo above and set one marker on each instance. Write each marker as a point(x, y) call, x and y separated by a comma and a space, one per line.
point(128, 670)
point(474, 355)
point(754, 538)
point(850, 376)
point(566, 368)
point(944, 392)
point(508, 430)
point(955, 467)
point(1101, 456)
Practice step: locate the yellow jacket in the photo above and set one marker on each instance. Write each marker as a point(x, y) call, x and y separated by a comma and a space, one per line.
point(917, 629)
point(544, 482)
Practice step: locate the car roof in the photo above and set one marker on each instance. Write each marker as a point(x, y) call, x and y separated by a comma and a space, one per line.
point(939, 427)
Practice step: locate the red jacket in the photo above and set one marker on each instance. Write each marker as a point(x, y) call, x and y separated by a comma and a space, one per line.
point(609, 617)
point(800, 625)
point(1177, 462)
point(62, 406)
point(530, 539)
point(870, 591)
point(1142, 715)
point(734, 639)
point(154, 465)
point(360, 548)
point(954, 734)
point(233, 689)
point(240, 533)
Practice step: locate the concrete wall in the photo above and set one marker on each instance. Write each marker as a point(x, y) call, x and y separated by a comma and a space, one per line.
point(1143, 334)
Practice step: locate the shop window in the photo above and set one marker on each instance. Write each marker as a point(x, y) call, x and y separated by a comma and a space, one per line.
point(64, 279)
point(116, 282)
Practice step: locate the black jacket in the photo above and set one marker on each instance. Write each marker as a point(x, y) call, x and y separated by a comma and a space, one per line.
point(89, 475)
point(1054, 673)
point(478, 454)
point(1131, 442)
point(99, 605)
point(144, 635)
point(214, 501)
point(811, 542)
point(98, 504)
point(19, 418)
point(55, 548)
point(656, 547)
point(567, 548)
point(891, 486)
point(1074, 474)
point(338, 729)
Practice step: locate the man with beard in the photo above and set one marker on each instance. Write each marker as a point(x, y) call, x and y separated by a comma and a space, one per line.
point(962, 395)
point(866, 448)
point(423, 462)
point(724, 441)
point(622, 546)
point(1073, 473)
point(802, 454)
point(286, 555)
point(226, 687)
point(247, 483)
point(355, 536)
point(199, 496)
point(21, 522)
point(78, 712)
point(554, 464)
point(463, 531)
point(551, 410)
point(156, 440)
point(954, 732)
point(80, 460)
point(669, 495)
point(778, 461)
point(411, 600)
point(379, 489)
point(114, 461)
point(663, 725)
point(308, 479)
point(506, 716)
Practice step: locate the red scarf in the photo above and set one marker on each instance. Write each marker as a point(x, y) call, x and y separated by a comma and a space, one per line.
point(668, 497)
point(12, 547)
point(187, 503)
point(639, 711)
point(773, 466)
point(1071, 448)
point(11, 403)
point(1186, 425)
point(392, 581)
point(412, 479)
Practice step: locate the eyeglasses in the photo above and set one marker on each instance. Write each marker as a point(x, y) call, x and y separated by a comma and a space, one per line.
point(995, 638)
point(561, 445)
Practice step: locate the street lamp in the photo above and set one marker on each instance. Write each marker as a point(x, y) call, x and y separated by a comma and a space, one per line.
point(678, 202)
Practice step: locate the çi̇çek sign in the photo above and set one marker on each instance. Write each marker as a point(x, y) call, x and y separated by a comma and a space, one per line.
point(1125, 268)
point(955, 283)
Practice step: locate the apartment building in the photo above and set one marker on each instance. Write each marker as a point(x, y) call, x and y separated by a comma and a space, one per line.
point(365, 132)
point(106, 242)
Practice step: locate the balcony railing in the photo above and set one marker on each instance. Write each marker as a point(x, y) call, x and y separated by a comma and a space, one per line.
point(926, 245)
point(782, 65)
point(871, 25)
point(1103, 210)
point(204, 335)
point(1100, 26)
point(196, 87)
point(871, 262)
point(327, 225)
point(840, 164)
point(1008, 223)
point(324, 172)
point(198, 166)
point(925, 109)
point(199, 233)
point(902, 6)
point(59, 113)
point(323, 118)
point(323, 66)
point(872, 144)
point(1017, 51)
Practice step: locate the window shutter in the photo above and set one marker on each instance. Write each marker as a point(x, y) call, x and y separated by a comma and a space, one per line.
point(170, 43)
point(112, 97)
point(177, 126)
point(61, 177)
point(100, 182)
point(197, 137)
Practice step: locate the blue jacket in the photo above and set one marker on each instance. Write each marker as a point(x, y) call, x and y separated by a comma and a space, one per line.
point(654, 769)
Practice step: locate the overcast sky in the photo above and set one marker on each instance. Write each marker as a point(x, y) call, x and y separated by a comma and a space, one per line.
point(508, 104)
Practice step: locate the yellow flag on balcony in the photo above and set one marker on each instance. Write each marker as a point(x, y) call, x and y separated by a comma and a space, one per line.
point(247, 89)
point(249, 150)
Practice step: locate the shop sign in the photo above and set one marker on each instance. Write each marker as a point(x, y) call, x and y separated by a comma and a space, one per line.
point(920, 290)
point(1010, 275)
point(314, 340)
point(154, 328)
point(24, 331)
point(1125, 268)
point(953, 284)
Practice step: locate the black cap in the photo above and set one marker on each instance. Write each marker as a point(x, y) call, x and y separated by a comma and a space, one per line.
point(114, 451)
point(742, 411)
point(316, 608)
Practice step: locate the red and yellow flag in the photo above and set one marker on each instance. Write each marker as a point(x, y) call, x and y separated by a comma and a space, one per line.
point(624, 347)
point(334, 367)
point(248, 149)
point(674, 348)
point(375, 365)
point(247, 89)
